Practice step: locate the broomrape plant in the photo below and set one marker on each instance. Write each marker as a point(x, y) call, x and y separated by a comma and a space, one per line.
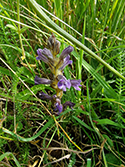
point(59, 82)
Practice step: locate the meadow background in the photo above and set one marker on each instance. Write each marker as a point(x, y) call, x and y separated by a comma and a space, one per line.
point(90, 135)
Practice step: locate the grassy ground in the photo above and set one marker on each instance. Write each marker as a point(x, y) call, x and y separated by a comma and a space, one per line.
point(92, 134)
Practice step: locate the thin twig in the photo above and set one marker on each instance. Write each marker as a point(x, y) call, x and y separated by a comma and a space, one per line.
point(60, 159)
point(70, 150)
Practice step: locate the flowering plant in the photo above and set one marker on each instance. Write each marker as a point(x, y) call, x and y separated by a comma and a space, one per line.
point(56, 65)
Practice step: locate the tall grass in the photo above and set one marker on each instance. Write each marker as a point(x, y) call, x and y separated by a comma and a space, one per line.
point(92, 134)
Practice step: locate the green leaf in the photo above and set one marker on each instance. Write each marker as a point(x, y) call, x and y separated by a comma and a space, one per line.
point(89, 162)
point(19, 50)
point(20, 126)
point(25, 94)
point(109, 91)
point(108, 122)
point(50, 122)
point(8, 154)
point(83, 123)
point(26, 72)
point(17, 99)
point(112, 160)
point(12, 27)
point(110, 142)
point(23, 29)
point(6, 71)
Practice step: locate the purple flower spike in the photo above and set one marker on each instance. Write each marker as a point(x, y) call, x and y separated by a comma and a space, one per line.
point(63, 83)
point(41, 56)
point(66, 51)
point(41, 80)
point(76, 83)
point(66, 62)
point(59, 106)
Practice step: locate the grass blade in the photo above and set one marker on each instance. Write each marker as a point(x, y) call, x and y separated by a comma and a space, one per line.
point(50, 122)
point(10, 154)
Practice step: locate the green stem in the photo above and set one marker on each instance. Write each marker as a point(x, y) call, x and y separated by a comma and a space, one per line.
point(18, 14)
point(43, 16)
point(18, 18)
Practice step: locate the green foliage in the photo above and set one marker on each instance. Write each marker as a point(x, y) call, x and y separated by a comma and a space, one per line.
point(72, 160)
point(9, 156)
point(88, 162)
point(96, 124)
point(120, 85)
point(112, 160)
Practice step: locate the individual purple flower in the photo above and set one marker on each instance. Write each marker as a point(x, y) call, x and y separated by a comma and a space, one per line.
point(66, 62)
point(41, 56)
point(46, 56)
point(75, 83)
point(65, 52)
point(47, 53)
point(44, 96)
point(63, 83)
point(41, 80)
point(68, 103)
point(58, 105)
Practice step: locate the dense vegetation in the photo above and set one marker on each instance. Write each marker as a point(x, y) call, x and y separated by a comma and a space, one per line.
point(31, 131)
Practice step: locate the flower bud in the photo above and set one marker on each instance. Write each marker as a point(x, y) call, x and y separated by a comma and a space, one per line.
point(53, 45)
point(41, 80)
